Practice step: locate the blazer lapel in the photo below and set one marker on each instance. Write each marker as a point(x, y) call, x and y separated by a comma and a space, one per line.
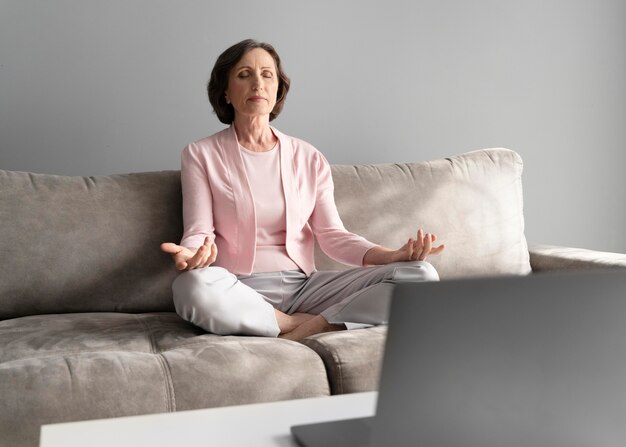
point(290, 187)
point(243, 200)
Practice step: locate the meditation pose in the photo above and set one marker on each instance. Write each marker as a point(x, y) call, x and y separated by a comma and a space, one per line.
point(254, 202)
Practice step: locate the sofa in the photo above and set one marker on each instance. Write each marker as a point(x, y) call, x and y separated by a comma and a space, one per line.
point(87, 324)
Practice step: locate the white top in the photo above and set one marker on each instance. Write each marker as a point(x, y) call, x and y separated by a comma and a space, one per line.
point(263, 171)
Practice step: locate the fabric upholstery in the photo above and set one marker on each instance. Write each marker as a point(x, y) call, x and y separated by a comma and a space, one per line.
point(473, 202)
point(67, 367)
point(353, 358)
point(550, 257)
point(80, 244)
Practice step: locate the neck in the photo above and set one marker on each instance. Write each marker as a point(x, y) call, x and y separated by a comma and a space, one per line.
point(254, 132)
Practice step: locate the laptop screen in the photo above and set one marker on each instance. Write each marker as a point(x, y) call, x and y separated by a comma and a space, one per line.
point(524, 361)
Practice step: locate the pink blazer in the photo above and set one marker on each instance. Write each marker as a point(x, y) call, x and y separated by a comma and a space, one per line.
point(217, 202)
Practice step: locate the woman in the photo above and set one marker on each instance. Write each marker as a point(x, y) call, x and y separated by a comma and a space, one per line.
point(253, 201)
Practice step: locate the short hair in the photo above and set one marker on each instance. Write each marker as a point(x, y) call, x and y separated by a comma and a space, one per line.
point(218, 82)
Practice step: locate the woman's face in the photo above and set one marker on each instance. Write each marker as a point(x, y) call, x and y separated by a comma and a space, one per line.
point(253, 84)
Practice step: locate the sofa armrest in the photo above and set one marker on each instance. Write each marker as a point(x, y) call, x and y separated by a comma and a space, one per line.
point(548, 257)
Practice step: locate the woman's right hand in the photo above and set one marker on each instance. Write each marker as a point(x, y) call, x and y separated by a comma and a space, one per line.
point(188, 259)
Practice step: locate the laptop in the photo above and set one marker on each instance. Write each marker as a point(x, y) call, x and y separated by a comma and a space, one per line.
point(529, 361)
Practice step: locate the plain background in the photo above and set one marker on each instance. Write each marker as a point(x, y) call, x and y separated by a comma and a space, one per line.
point(113, 86)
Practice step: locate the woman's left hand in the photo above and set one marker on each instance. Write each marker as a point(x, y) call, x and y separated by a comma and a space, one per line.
point(414, 250)
point(418, 249)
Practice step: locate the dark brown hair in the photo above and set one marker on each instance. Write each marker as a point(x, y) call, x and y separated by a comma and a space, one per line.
point(218, 83)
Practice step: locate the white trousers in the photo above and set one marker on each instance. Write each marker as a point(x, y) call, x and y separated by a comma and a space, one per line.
point(222, 303)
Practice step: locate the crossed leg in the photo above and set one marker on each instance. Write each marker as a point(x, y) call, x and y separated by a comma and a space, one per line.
point(308, 325)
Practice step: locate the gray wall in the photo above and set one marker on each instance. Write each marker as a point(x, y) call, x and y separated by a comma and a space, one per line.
point(97, 87)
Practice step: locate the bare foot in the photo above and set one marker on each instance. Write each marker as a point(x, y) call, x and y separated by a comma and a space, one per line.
point(311, 326)
point(288, 323)
point(300, 318)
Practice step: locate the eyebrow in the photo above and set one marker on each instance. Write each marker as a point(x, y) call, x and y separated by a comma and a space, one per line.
point(250, 68)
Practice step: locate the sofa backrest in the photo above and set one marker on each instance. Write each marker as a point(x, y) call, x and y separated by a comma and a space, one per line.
point(472, 202)
point(91, 244)
point(82, 244)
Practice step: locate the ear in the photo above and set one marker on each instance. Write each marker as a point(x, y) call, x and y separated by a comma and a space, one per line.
point(226, 98)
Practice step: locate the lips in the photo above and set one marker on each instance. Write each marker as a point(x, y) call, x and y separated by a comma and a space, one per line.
point(256, 98)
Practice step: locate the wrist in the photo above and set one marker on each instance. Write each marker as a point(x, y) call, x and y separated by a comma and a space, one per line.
point(379, 256)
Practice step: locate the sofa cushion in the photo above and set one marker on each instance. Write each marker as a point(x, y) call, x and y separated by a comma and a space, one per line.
point(473, 202)
point(78, 386)
point(353, 358)
point(552, 257)
point(82, 244)
point(68, 367)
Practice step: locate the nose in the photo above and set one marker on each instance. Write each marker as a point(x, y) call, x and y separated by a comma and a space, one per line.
point(257, 81)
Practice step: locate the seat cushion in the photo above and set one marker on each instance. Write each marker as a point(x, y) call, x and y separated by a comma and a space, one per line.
point(473, 202)
point(353, 358)
point(68, 367)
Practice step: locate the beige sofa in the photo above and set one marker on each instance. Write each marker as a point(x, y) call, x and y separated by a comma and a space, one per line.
point(87, 324)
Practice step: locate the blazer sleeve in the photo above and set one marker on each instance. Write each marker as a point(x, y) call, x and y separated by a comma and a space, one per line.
point(197, 199)
point(333, 238)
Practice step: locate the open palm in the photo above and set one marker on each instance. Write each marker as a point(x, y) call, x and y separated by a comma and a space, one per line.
point(187, 258)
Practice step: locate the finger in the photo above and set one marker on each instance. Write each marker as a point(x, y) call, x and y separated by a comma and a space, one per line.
point(206, 253)
point(211, 255)
point(420, 238)
point(438, 249)
point(428, 244)
point(416, 249)
point(409, 248)
point(204, 262)
point(180, 262)
point(195, 260)
point(171, 248)
point(421, 254)
point(177, 253)
point(420, 235)
point(419, 245)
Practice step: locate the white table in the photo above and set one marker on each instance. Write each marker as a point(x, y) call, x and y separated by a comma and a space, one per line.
point(259, 425)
